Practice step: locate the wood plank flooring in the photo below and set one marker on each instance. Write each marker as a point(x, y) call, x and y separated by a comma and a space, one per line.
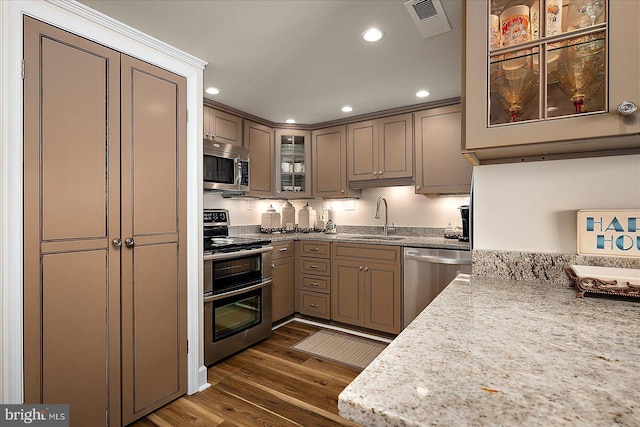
point(268, 384)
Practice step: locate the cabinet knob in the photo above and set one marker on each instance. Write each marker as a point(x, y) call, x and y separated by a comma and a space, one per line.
point(342, 191)
point(379, 172)
point(273, 266)
point(360, 268)
point(366, 269)
point(313, 305)
point(128, 242)
point(626, 108)
point(116, 243)
point(375, 173)
point(418, 187)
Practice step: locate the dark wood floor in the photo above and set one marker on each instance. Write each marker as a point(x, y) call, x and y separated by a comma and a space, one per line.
point(268, 384)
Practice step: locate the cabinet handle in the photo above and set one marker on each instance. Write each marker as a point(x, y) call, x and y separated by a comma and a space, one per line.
point(273, 266)
point(314, 249)
point(128, 242)
point(366, 269)
point(283, 249)
point(116, 243)
point(314, 284)
point(626, 108)
point(315, 267)
point(313, 305)
point(360, 268)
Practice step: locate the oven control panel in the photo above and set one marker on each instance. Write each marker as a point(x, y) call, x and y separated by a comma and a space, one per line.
point(216, 217)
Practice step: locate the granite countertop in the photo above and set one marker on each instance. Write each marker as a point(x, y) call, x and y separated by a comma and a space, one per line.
point(497, 352)
point(396, 240)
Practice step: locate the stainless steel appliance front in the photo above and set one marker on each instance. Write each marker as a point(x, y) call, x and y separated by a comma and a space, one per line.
point(426, 273)
point(225, 167)
point(237, 301)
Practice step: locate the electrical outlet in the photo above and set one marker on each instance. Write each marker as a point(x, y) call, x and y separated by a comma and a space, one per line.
point(350, 205)
point(249, 205)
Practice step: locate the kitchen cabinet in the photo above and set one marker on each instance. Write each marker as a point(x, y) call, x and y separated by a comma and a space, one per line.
point(329, 163)
point(283, 259)
point(440, 166)
point(365, 286)
point(380, 152)
point(104, 230)
point(259, 140)
point(222, 127)
point(555, 90)
point(293, 160)
point(314, 266)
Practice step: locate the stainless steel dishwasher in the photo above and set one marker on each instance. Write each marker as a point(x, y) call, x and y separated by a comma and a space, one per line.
point(426, 273)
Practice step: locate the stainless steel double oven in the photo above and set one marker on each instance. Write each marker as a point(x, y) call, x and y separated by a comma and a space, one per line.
point(237, 289)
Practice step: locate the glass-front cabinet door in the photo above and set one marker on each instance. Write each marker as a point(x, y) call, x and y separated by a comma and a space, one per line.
point(539, 71)
point(293, 162)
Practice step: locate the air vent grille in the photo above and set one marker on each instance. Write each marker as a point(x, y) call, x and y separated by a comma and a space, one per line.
point(429, 17)
point(425, 9)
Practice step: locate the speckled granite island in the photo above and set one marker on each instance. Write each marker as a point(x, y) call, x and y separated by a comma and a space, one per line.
point(496, 352)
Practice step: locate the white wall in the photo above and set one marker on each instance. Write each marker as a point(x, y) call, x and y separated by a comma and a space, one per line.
point(531, 207)
point(406, 208)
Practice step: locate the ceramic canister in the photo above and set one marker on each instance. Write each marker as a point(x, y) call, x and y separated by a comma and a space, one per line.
point(270, 218)
point(514, 26)
point(288, 216)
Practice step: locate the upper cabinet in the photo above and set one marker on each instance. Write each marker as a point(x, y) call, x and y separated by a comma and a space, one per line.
point(293, 160)
point(380, 152)
point(329, 163)
point(440, 167)
point(547, 77)
point(259, 140)
point(222, 127)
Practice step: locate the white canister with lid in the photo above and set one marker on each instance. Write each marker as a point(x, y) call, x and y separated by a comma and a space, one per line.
point(307, 217)
point(288, 216)
point(270, 219)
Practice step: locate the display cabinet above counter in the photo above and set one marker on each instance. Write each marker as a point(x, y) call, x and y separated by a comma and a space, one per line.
point(549, 78)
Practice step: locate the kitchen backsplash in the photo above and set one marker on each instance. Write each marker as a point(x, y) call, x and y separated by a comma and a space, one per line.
point(545, 267)
point(405, 208)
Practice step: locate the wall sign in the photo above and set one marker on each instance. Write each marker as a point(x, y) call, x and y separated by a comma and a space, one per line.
point(614, 232)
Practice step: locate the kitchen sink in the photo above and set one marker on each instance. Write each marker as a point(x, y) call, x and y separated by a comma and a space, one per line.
point(376, 237)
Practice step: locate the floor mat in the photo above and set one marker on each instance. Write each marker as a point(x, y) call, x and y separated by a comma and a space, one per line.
point(341, 348)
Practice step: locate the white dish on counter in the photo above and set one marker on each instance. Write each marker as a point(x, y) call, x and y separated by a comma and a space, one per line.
point(607, 273)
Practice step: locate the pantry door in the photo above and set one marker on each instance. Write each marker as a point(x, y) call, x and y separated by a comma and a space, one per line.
point(154, 279)
point(71, 217)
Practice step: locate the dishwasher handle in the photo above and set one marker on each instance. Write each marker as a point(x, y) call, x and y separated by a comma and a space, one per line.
point(415, 256)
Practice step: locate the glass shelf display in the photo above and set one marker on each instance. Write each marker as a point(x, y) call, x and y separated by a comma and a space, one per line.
point(293, 168)
point(547, 59)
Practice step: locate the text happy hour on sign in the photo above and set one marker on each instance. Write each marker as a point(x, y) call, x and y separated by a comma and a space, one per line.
point(609, 232)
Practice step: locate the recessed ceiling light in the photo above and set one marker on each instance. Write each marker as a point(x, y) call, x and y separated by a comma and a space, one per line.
point(372, 35)
point(347, 109)
point(212, 90)
point(290, 121)
point(422, 93)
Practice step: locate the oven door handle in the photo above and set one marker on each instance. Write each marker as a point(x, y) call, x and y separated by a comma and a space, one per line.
point(226, 255)
point(238, 291)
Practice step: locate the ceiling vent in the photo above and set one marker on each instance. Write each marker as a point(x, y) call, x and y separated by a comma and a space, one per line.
point(429, 17)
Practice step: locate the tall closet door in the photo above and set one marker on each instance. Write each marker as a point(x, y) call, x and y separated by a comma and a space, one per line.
point(71, 215)
point(154, 343)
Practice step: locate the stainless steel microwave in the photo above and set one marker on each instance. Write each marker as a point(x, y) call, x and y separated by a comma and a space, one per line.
point(225, 167)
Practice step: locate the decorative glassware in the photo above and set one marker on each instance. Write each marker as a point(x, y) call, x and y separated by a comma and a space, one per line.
point(516, 88)
point(585, 13)
point(581, 70)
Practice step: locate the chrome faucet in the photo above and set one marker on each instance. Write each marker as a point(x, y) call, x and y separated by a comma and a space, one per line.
point(386, 214)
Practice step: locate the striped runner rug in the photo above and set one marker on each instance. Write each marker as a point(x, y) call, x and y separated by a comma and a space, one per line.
point(341, 348)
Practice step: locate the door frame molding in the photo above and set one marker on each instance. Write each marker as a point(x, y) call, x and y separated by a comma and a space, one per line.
point(81, 20)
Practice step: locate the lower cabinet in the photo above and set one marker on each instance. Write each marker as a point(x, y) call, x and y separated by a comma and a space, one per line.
point(365, 286)
point(283, 264)
point(315, 279)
